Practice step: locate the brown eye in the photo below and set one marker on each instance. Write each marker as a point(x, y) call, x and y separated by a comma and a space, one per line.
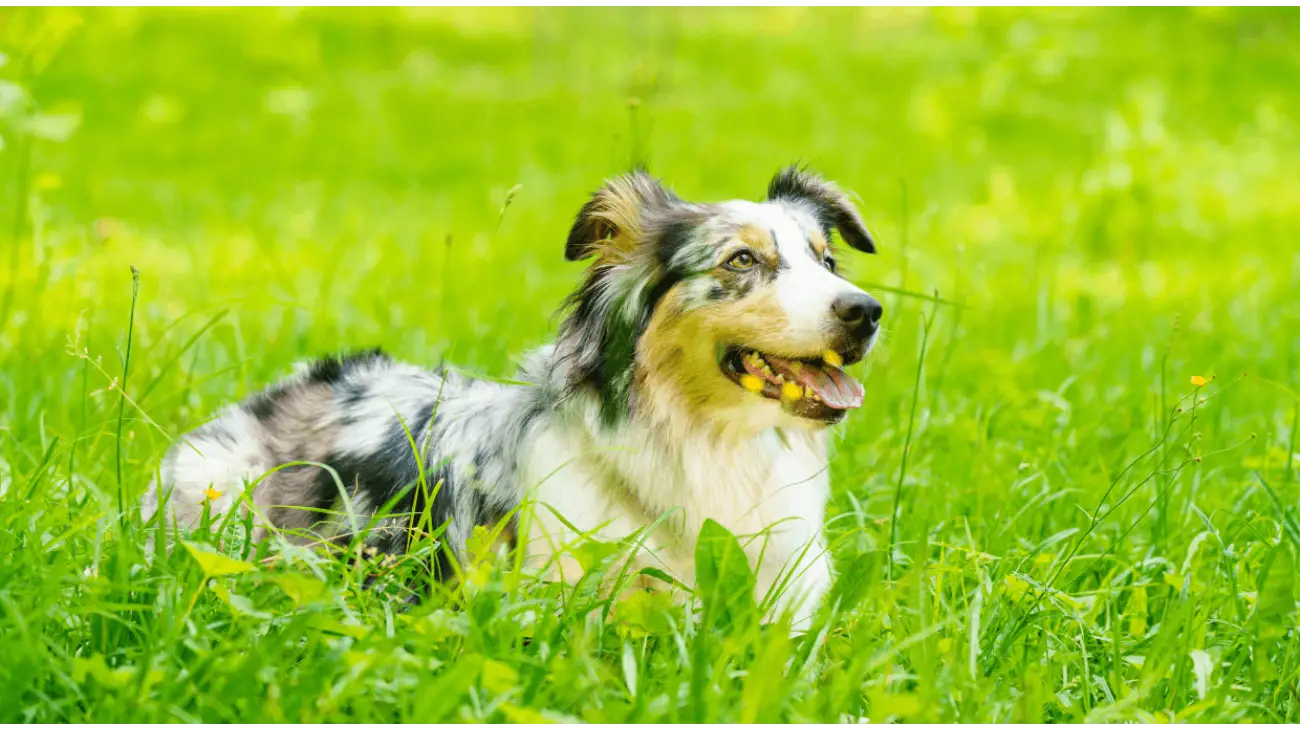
point(741, 261)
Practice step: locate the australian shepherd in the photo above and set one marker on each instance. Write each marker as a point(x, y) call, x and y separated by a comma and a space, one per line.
point(694, 376)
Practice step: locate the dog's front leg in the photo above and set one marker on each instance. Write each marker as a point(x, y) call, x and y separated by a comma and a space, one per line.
point(801, 588)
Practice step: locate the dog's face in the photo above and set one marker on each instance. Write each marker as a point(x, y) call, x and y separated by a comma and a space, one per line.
point(727, 313)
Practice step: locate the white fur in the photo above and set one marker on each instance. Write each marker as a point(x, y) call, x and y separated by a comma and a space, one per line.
point(199, 464)
point(808, 288)
point(768, 491)
point(401, 390)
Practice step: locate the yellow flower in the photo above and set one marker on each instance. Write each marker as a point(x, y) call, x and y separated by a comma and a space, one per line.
point(791, 391)
point(832, 358)
point(211, 494)
point(751, 383)
point(1199, 382)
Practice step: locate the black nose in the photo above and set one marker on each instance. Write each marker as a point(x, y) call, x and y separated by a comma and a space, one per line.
point(857, 310)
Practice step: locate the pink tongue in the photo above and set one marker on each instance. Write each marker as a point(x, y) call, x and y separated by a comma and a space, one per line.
point(835, 387)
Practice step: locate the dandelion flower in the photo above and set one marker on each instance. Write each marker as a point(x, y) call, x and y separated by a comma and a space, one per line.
point(831, 357)
point(751, 383)
point(1199, 382)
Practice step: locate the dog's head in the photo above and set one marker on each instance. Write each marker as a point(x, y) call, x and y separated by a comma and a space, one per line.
point(720, 313)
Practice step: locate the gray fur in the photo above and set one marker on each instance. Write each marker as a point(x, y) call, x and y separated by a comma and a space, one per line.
point(341, 412)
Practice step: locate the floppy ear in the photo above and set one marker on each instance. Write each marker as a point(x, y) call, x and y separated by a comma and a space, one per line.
point(614, 215)
point(828, 202)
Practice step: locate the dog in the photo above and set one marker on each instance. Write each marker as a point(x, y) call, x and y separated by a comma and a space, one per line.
point(694, 376)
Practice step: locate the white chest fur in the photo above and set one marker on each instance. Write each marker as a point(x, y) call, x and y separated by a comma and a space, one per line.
point(769, 489)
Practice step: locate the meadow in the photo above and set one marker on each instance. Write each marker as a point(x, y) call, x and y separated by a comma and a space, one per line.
point(1071, 493)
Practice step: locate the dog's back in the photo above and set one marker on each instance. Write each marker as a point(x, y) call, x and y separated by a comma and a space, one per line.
point(397, 440)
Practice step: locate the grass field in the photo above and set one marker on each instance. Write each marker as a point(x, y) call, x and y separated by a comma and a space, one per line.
point(1037, 515)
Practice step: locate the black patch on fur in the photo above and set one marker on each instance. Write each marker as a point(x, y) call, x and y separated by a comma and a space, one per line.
point(673, 235)
point(263, 405)
point(583, 330)
point(828, 203)
point(424, 421)
point(392, 473)
point(478, 504)
point(669, 280)
point(480, 465)
point(478, 501)
point(331, 369)
point(352, 395)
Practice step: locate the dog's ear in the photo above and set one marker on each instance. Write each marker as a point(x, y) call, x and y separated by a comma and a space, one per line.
point(828, 203)
point(614, 215)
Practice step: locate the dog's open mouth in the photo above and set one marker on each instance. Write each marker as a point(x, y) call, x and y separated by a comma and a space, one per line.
point(814, 387)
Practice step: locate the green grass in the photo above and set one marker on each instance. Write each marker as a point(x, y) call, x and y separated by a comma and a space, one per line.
point(1041, 519)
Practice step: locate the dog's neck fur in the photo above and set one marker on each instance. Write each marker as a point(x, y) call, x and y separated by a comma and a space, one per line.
point(655, 421)
point(659, 461)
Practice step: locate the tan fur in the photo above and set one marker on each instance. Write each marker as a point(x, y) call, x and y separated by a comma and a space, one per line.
point(619, 205)
point(760, 243)
point(678, 372)
point(819, 243)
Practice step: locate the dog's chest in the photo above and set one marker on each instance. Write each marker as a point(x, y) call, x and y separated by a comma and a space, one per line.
point(767, 484)
point(769, 491)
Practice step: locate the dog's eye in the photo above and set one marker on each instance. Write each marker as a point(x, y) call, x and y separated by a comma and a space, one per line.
point(829, 263)
point(741, 261)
